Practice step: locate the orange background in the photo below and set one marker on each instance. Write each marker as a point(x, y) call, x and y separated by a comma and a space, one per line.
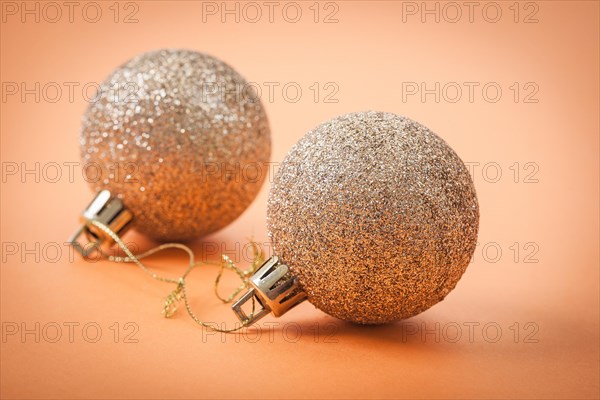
point(368, 53)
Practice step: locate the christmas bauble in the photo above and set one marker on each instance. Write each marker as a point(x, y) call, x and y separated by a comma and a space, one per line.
point(376, 215)
point(181, 138)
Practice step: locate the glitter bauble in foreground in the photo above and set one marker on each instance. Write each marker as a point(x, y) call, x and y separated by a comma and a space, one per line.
point(181, 138)
point(376, 216)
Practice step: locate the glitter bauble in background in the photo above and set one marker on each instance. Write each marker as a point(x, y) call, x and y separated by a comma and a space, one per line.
point(376, 216)
point(181, 138)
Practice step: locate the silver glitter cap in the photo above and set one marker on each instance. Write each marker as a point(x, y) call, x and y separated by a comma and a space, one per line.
point(108, 210)
point(273, 288)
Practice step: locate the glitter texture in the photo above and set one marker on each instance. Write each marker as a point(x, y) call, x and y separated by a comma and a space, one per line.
point(181, 138)
point(376, 215)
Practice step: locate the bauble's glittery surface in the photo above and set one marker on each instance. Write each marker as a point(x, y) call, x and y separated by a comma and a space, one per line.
point(376, 215)
point(182, 138)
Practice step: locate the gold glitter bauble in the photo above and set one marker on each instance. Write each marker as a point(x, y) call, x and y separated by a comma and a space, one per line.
point(376, 215)
point(182, 138)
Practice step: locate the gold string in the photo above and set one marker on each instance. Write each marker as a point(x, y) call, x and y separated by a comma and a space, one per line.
point(180, 292)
